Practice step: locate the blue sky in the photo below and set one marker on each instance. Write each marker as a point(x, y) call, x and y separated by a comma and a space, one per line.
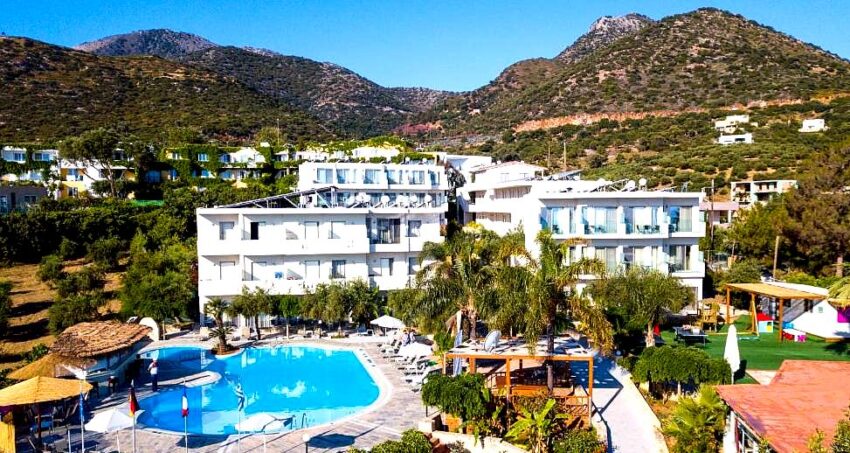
point(453, 45)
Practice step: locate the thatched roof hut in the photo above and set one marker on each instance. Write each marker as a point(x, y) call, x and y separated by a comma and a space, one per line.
point(94, 339)
point(51, 365)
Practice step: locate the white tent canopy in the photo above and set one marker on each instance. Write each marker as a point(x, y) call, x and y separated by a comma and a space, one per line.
point(388, 322)
point(415, 350)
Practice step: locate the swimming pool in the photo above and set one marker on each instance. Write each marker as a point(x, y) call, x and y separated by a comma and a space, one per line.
point(314, 385)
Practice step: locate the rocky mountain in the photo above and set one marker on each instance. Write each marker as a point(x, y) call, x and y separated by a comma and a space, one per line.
point(603, 32)
point(160, 42)
point(50, 92)
point(704, 59)
point(345, 100)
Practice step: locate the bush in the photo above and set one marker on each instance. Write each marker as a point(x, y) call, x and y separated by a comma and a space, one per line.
point(38, 351)
point(69, 249)
point(578, 441)
point(697, 424)
point(412, 441)
point(680, 365)
point(5, 304)
point(73, 310)
point(463, 396)
point(51, 269)
point(104, 252)
point(86, 280)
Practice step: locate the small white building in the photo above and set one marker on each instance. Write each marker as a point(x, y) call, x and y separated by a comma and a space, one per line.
point(719, 213)
point(813, 125)
point(346, 222)
point(735, 139)
point(731, 122)
point(618, 222)
point(746, 193)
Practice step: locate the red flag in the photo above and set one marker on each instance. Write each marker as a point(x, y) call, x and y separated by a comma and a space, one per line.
point(134, 404)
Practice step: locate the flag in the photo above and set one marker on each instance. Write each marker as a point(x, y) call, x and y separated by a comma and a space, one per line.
point(240, 397)
point(134, 403)
point(185, 403)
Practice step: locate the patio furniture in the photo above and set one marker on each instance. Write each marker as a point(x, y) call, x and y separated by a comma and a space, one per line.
point(709, 317)
point(690, 335)
point(797, 336)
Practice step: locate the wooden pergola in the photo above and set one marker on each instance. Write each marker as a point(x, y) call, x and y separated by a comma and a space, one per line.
point(518, 351)
point(780, 293)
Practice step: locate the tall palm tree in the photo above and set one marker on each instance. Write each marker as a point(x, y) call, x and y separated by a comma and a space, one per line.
point(459, 275)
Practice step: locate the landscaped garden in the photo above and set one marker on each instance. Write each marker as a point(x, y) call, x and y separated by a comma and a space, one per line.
point(765, 352)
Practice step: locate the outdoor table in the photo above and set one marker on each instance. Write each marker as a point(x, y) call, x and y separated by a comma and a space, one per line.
point(688, 336)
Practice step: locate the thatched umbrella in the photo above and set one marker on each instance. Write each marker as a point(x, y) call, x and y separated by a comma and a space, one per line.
point(51, 365)
point(41, 389)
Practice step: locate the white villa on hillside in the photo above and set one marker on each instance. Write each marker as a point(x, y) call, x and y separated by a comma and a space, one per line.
point(19, 156)
point(621, 223)
point(813, 125)
point(746, 193)
point(735, 139)
point(730, 123)
point(347, 221)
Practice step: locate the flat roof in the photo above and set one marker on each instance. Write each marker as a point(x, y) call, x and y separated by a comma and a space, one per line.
point(805, 395)
point(779, 292)
point(566, 349)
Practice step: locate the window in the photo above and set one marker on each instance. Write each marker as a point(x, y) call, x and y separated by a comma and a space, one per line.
point(258, 270)
point(342, 176)
point(226, 270)
point(311, 230)
point(808, 305)
point(255, 230)
point(174, 156)
point(413, 227)
point(30, 199)
point(392, 176)
point(371, 177)
point(19, 157)
point(559, 220)
point(416, 177)
point(680, 219)
point(338, 269)
point(224, 229)
point(311, 270)
point(73, 191)
point(435, 178)
point(386, 269)
point(386, 231)
point(607, 255)
point(601, 220)
point(412, 265)
point(680, 258)
point(224, 158)
point(336, 230)
point(203, 157)
point(641, 220)
point(324, 175)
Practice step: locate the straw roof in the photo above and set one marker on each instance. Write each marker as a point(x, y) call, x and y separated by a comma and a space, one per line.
point(49, 366)
point(92, 339)
point(775, 291)
point(42, 389)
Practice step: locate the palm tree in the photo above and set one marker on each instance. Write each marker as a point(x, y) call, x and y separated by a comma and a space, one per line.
point(839, 291)
point(458, 278)
point(252, 304)
point(645, 296)
point(216, 308)
point(698, 422)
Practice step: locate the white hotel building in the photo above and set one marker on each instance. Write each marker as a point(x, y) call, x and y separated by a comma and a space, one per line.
point(619, 223)
point(347, 221)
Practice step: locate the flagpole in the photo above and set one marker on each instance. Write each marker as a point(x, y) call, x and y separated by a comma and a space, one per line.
point(82, 417)
point(186, 432)
point(185, 409)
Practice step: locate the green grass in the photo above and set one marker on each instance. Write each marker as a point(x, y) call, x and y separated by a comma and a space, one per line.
point(766, 352)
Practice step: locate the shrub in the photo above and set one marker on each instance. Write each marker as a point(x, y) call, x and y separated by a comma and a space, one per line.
point(73, 310)
point(104, 252)
point(86, 280)
point(38, 351)
point(51, 269)
point(463, 396)
point(697, 423)
point(578, 441)
point(69, 249)
point(412, 441)
point(680, 365)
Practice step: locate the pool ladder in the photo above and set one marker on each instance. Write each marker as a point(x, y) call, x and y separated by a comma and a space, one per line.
point(303, 420)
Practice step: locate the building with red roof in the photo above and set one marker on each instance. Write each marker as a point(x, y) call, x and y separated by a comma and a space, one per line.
point(804, 396)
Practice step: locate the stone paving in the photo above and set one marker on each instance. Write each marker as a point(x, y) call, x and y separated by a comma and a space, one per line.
point(400, 409)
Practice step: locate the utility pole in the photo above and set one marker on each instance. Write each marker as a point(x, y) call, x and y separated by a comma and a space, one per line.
point(548, 156)
point(564, 164)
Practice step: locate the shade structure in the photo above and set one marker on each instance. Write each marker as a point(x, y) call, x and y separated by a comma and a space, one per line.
point(41, 389)
point(112, 420)
point(388, 322)
point(415, 350)
point(51, 365)
point(262, 422)
point(731, 353)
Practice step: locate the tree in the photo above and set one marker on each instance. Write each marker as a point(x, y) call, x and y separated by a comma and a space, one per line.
point(840, 291)
point(96, 149)
point(362, 301)
point(533, 429)
point(74, 309)
point(698, 423)
point(252, 304)
point(644, 296)
point(287, 306)
point(819, 210)
point(753, 233)
point(743, 271)
point(51, 270)
point(5, 304)
point(89, 279)
point(217, 308)
point(104, 252)
point(458, 277)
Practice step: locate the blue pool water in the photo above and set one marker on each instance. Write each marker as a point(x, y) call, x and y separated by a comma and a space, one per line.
point(311, 384)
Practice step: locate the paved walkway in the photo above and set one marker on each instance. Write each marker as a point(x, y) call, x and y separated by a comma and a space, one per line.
point(632, 426)
point(402, 409)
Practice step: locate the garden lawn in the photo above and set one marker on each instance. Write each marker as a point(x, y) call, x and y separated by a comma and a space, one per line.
point(766, 352)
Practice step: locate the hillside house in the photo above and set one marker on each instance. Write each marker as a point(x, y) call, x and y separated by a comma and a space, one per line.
point(746, 193)
point(731, 123)
point(735, 139)
point(813, 125)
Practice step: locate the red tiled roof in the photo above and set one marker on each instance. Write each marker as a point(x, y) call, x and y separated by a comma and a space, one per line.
point(805, 395)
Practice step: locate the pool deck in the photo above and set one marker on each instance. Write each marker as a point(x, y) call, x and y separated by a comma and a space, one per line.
point(398, 409)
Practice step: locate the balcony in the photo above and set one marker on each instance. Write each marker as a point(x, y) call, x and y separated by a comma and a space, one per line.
point(642, 229)
point(281, 246)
